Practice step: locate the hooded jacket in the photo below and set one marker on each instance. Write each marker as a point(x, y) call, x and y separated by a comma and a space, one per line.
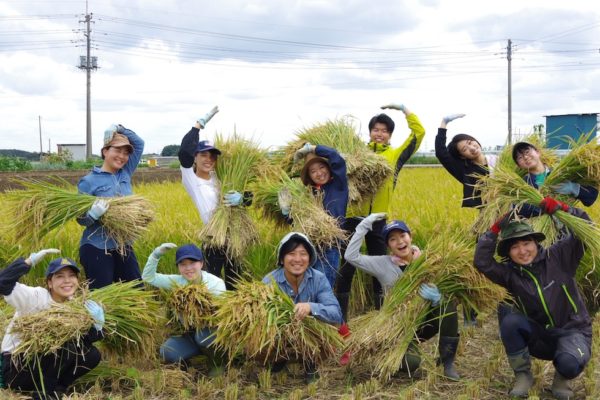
point(396, 157)
point(335, 192)
point(545, 291)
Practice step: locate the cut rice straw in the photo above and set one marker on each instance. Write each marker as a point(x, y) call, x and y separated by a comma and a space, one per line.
point(192, 305)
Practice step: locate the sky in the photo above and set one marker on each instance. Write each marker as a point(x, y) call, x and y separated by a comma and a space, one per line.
point(275, 67)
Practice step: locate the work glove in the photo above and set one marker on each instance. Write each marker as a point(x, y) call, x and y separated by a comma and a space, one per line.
point(550, 205)
point(500, 223)
point(96, 312)
point(232, 198)
point(568, 188)
point(284, 200)
point(207, 117)
point(430, 292)
point(162, 249)
point(367, 222)
point(36, 257)
point(303, 151)
point(392, 106)
point(98, 209)
point(109, 132)
point(452, 117)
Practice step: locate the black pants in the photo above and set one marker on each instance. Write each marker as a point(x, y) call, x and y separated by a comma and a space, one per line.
point(103, 267)
point(446, 326)
point(58, 371)
point(569, 349)
point(376, 246)
point(216, 260)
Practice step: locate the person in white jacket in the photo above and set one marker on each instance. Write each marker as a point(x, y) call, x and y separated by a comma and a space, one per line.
point(51, 374)
point(388, 269)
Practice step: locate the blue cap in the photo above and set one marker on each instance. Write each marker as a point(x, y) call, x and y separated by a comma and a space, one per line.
point(60, 263)
point(190, 251)
point(395, 225)
point(206, 145)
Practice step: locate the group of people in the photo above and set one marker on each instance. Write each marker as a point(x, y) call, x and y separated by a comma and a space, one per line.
point(547, 319)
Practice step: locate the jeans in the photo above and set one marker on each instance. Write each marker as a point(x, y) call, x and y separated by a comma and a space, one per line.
point(178, 349)
point(328, 262)
point(103, 267)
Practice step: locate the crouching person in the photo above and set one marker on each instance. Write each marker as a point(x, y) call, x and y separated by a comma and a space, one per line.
point(47, 376)
point(388, 269)
point(189, 260)
point(548, 320)
point(308, 288)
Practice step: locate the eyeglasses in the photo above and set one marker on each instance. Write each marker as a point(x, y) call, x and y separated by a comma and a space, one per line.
point(524, 153)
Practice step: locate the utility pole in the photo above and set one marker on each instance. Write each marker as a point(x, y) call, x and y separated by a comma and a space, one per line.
point(509, 58)
point(88, 63)
point(40, 125)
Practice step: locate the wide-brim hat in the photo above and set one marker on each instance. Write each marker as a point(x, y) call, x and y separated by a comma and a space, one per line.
point(516, 230)
point(119, 140)
point(311, 158)
point(519, 147)
point(59, 263)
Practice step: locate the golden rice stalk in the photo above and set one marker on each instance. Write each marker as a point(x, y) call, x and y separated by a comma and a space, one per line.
point(44, 206)
point(446, 262)
point(548, 156)
point(366, 170)
point(580, 164)
point(258, 320)
point(307, 214)
point(193, 305)
point(232, 228)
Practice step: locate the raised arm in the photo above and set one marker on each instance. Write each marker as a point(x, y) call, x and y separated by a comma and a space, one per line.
point(138, 149)
point(153, 278)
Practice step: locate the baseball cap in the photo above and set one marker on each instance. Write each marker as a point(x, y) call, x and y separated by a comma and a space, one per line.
point(395, 225)
point(59, 263)
point(190, 251)
point(207, 145)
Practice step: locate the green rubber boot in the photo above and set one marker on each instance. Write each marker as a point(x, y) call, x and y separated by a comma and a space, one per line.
point(411, 360)
point(447, 347)
point(520, 362)
point(560, 387)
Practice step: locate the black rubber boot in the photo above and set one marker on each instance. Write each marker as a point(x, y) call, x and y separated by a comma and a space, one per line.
point(520, 362)
point(411, 360)
point(343, 299)
point(447, 348)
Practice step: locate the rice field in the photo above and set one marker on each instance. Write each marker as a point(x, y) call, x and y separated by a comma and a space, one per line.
point(428, 199)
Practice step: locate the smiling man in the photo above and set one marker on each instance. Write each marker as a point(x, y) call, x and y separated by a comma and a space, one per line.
point(548, 320)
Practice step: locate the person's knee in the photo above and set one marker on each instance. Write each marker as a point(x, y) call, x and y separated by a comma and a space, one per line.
point(169, 355)
point(568, 365)
point(511, 324)
point(93, 358)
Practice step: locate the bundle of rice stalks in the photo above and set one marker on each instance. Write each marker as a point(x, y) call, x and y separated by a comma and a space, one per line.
point(548, 156)
point(307, 214)
point(232, 228)
point(382, 337)
point(192, 305)
point(258, 320)
point(45, 206)
point(131, 317)
point(581, 164)
point(366, 170)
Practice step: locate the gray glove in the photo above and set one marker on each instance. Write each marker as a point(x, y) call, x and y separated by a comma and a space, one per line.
point(207, 117)
point(37, 256)
point(303, 151)
point(284, 200)
point(392, 106)
point(162, 249)
point(367, 222)
point(452, 117)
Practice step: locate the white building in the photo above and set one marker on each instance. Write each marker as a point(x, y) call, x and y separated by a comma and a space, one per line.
point(76, 150)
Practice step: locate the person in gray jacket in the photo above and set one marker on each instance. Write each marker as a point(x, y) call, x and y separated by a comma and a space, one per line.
point(388, 269)
point(549, 319)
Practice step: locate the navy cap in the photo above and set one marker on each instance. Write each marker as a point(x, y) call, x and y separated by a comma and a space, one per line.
point(60, 263)
point(206, 145)
point(190, 251)
point(395, 225)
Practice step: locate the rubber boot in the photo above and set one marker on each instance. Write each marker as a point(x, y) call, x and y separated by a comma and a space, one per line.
point(411, 360)
point(560, 387)
point(215, 361)
point(520, 362)
point(344, 332)
point(343, 299)
point(311, 374)
point(447, 347)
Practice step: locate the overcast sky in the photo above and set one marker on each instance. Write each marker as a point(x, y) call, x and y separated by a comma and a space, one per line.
point(276, 66)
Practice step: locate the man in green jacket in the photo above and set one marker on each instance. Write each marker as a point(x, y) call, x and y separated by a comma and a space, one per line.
point(381, 127)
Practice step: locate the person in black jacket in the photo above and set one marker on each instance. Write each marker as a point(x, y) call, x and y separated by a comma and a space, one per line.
point(548, 318)
point(463, 159)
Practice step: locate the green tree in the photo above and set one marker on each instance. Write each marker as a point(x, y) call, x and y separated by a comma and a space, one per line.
point(170, 150)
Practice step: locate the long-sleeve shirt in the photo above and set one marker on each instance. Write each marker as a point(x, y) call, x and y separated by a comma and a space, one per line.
point(314, 290)
point(335, 192)
point(204, 192)
point(381, 267)
point(396, 157)
point(215, 285)
point(105, 184)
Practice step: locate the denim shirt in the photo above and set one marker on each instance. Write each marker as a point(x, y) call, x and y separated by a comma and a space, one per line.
point(314, 290)
point(105, 184)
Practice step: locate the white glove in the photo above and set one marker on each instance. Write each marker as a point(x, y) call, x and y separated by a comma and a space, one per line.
point(392, 106)
point(98, 209)
point(452, 117)
point(162, 249)
point(367, 222)
point(207, 117)
point(37, 256)
point(303, 151)
point(284, 200)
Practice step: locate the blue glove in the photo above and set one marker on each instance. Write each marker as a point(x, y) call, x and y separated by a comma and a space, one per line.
point(284, 200)
point(452, 117)
point(207, 117)
point(37, 256)
point(98, 209)
point(392, 106)
point(96, 312)
point(430, 292)
point(568, 188)
point(232, 198)
point(162, 249)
